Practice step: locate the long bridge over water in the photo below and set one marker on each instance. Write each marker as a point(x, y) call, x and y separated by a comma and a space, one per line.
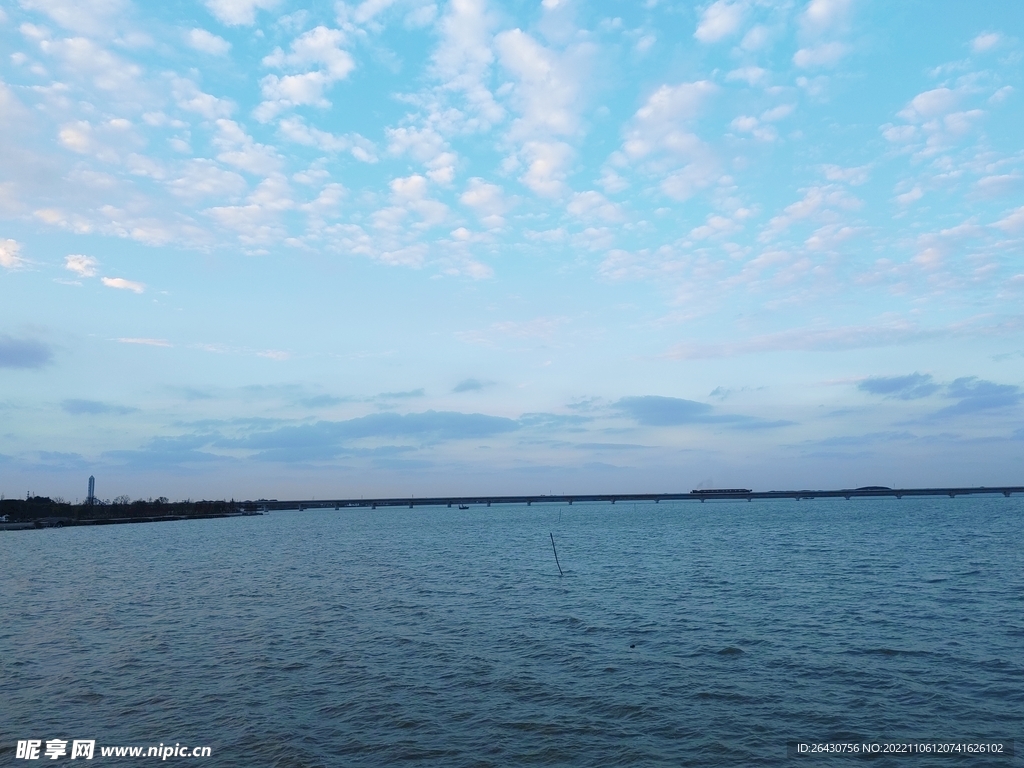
point(710, 494)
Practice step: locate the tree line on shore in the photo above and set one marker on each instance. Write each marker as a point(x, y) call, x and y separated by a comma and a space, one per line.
point(43, 508)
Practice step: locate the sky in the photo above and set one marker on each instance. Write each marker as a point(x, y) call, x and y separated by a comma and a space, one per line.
point(262, 249)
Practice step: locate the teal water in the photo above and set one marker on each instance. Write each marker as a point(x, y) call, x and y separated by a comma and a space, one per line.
point(681, 634)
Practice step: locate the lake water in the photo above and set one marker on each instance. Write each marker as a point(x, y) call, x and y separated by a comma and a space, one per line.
point(680, 634)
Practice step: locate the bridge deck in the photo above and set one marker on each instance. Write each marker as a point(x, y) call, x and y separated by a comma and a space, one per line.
point(612, 498)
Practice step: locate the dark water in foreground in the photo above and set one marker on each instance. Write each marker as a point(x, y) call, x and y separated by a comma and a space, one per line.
point(681, 634)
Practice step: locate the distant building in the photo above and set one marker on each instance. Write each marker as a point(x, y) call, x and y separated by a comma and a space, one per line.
point(91, 499)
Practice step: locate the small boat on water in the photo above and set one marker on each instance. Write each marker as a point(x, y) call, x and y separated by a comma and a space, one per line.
point(463, 506)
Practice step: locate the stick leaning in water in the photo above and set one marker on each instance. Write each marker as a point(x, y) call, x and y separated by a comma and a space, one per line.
point(556, 553)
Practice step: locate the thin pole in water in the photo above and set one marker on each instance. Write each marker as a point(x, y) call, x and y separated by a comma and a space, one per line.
point(556, 553)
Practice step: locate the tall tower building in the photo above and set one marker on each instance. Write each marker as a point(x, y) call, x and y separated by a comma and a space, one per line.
point(92, 490)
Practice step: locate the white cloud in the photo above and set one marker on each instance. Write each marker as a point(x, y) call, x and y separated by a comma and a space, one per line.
point(612, 182)
point(239, 149)
point(202, 178)
point(855, 176)
point(141, 165)
point(406, 256)
point(548, 90)
point(487, 201)
point(817, 202)
point(821, 16)
point(366, 10)
point(280, 93)
point(594, 206)
point(422, 16)
point(884, 334)
point(930, 104)
point(122, 284)
point(145, 342)
point(238, 12)
point(274, 354)
point(715, 225)
point(1013, 223)
point(319, 46)
point(547, 94)
point(188, 97)
point(476, 270)
point(539, 328)
point(83, 58)
point(778, 113)
point(102, 141)
point(463, 59)
point(656, 125)
point(294, 129)
point(751, 125)
point(719, 20)
point(619, 264)
point(684, 183)
point(207, 42)
point(76, 136)
point(426, 146)
point(411, 192)
point(910, 197)
point(749, 75)
point(83, 266)
point(546, 167)
point(1001, 95)
point(986, 41)
point(10, 257)
point(645, 43)
point(998, 185)
point(327, 205)
point(756, 38)
point(656, 138)
point(899, 133)
point(257, 222)
point(934, 116)
point(960, 123)
point(824, 55)
point(87, 17)
point(830, 237)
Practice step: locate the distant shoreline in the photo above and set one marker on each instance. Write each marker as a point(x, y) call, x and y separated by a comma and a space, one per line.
point(26, 525)
point(42, 512)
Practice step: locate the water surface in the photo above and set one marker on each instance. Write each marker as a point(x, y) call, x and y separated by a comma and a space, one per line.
point(680, 634)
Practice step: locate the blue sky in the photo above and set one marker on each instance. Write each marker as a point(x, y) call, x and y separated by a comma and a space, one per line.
point(253, 248)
